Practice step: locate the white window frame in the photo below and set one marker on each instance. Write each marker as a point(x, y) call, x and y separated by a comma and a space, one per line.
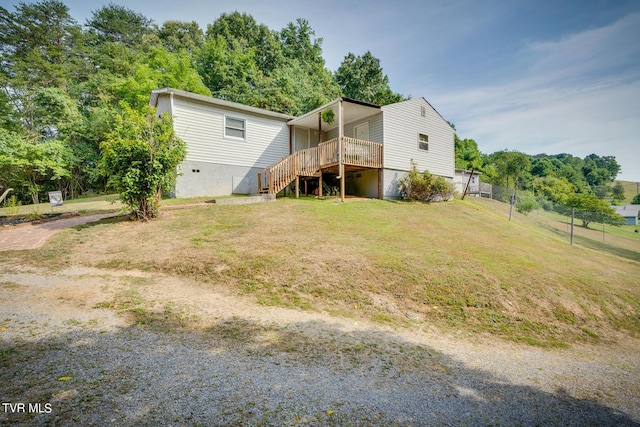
point(423, 141)
point(243, 129)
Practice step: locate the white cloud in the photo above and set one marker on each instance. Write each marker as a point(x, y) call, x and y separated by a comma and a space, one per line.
point(577, 95)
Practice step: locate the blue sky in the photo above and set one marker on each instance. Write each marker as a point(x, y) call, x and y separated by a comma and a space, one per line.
point(535, 76)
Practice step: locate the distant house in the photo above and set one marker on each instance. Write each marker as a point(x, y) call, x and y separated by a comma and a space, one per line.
point(361, 149)
point(629, 213)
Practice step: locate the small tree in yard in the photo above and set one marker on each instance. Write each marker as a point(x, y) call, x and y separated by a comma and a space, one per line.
point(588, 208)
point(140, 157)
point(424, 186)
point(526, 202)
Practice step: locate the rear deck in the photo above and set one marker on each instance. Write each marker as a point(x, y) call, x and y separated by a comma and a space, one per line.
point(353, 154)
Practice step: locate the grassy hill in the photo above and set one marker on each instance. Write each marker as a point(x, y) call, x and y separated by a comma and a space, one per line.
point(459, 265)
point(630, 190)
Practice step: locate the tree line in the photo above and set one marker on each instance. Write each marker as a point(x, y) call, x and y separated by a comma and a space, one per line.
point(66, 86)
point(561, 182)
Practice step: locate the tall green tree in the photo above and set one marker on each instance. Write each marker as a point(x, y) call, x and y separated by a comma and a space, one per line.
point(43, 63)
point(552, 189)
point(179, 35)
point(512, 166)
point(141, 156)
point(242, 33)
point(156, 69)
point(618, 192)
point(362, 78)
point(29, 166)
point(467, 155)
point(115, 23)
point(245, 62)
point(41, 45)
point(588, 208)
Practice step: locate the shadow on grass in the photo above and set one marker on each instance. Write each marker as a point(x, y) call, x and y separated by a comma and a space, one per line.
point(594, 244)
point(238, 372)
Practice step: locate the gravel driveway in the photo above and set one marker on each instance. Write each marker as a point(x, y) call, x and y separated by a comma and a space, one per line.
point(73, 359)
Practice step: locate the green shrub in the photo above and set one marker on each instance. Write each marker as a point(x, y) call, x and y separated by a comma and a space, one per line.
point(525, 203)
point(423, 186)
point(141, 156)
point(12, 204)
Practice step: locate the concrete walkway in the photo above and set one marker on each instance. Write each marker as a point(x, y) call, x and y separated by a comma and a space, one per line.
point(32, 236)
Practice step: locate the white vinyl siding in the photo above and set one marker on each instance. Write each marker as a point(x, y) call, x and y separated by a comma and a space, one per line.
point(375, 129)
point(403, 124)
point(202, 127)
point(301, 139)
point(164, 104)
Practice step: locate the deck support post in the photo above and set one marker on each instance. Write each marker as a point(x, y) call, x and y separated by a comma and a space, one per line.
point(340, 148)
point(297, 186)
point(320, 185)
point(379, 183)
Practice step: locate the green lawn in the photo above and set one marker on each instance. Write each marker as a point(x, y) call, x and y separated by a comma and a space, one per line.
point(459, 265)
point(108, 203)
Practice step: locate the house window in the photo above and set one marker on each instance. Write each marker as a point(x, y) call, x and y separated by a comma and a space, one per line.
point(235, 128)
point(423, 142)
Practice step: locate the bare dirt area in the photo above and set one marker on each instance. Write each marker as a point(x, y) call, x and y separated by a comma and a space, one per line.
point(89, 346)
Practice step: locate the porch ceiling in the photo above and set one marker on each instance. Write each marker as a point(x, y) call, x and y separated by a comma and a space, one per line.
point(353, 110)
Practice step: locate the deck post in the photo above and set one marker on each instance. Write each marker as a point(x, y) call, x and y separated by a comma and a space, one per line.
point(340, 144)
point(320, 185)
point(379, 183)
point(297, 186)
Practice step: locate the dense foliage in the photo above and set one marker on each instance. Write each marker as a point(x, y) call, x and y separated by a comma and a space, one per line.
point(66, 85)
point(557, 182)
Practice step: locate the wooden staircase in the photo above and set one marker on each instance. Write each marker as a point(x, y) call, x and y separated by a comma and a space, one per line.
point(309, 162)
point(276, 177)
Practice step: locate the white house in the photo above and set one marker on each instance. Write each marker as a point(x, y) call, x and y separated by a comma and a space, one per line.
point(629, 213)
point(363, 149)
point(227, 143)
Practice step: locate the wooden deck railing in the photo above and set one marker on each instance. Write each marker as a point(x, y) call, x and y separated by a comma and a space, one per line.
point(308, 162)
point(358, 152)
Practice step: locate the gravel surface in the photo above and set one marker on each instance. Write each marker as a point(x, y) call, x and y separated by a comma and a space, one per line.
point(249, 365)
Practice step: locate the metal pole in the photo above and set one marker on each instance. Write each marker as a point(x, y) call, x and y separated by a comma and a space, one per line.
point(573, 211)
point(513, 200)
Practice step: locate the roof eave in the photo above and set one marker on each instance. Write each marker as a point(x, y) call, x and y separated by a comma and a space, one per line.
point(216, 101)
